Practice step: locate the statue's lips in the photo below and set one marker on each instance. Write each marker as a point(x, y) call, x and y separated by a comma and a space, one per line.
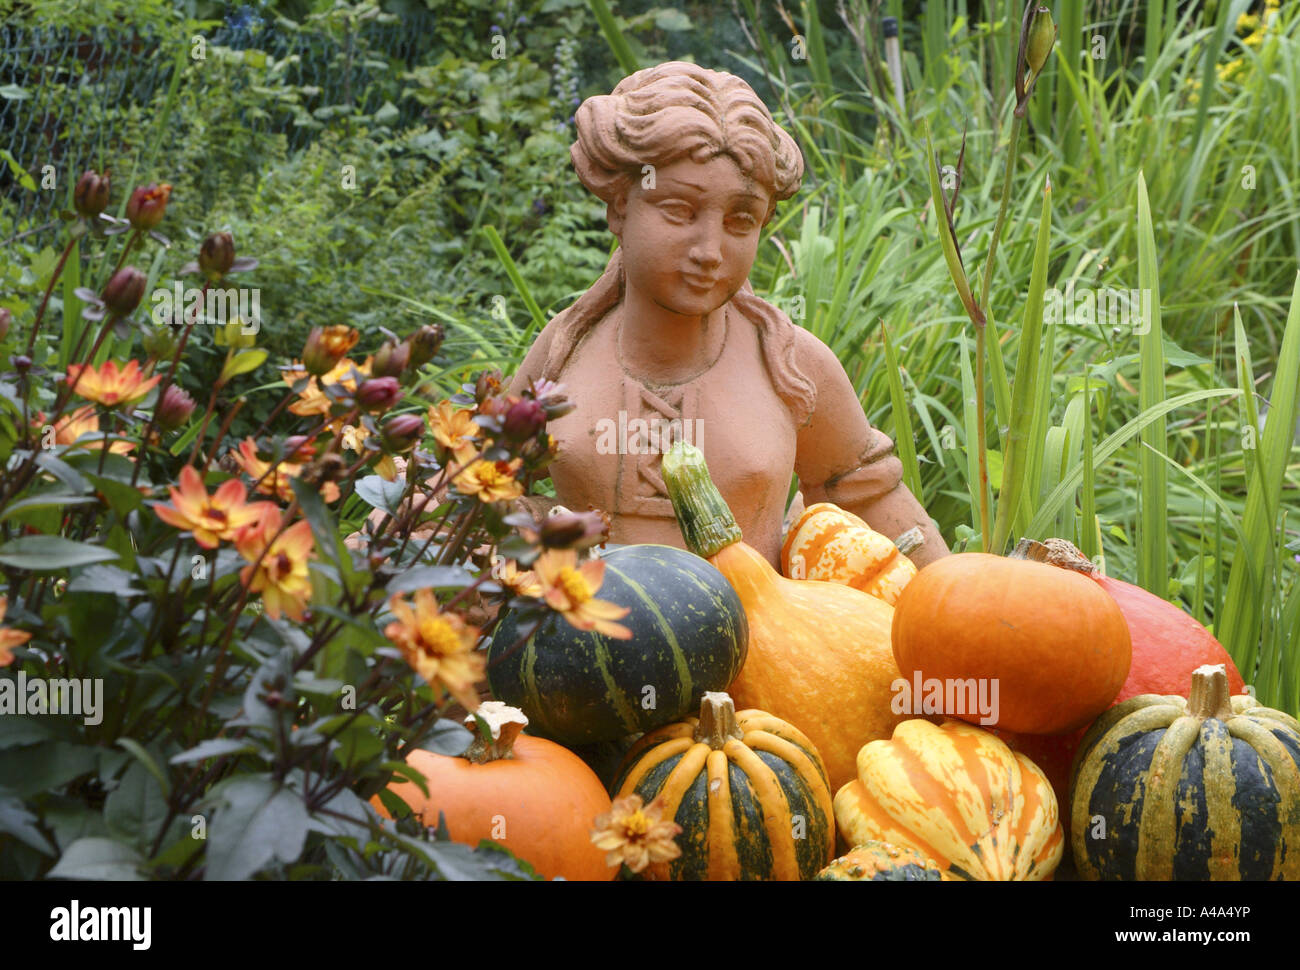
point(700, 282)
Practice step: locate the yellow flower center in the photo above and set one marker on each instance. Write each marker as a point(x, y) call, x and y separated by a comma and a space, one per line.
point(438, 638)
point(574, 584)
point(636, 825)
point(494, 474)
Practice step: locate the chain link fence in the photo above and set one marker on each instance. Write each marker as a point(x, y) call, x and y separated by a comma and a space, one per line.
point(63, 92)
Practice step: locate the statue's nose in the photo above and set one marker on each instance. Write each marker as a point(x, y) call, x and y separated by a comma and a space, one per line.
point(706, 250)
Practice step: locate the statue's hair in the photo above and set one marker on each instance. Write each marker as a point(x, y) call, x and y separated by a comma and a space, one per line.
point(677, 110)
point(655, 117)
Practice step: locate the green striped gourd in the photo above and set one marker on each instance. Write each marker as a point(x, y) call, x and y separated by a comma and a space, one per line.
point(1205, 787)
point(748, 789)
point(689, 636)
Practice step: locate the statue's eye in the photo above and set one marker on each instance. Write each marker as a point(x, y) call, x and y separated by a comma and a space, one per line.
point(742, 222)
point(676, 211)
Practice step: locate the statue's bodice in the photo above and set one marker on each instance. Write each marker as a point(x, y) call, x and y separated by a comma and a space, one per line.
point(611, 445)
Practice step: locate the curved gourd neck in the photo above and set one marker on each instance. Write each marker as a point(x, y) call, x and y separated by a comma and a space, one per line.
point(702, 514)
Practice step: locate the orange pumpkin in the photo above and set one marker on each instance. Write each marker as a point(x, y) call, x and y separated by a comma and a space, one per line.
point(1051, 642)
point(819, 653)
point(1168, 646)
point(530, 795)
point(836, 546)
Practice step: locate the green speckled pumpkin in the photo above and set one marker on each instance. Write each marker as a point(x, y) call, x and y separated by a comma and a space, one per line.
point(881, 862)
point(1205, 787)
point(748, 790)
point(689, 636)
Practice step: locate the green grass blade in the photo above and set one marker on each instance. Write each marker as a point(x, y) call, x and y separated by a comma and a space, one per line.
point(614, 37)
point(904, 442)
point(1025, 391)
point(1113, 442)
point(1152, 574)
point(1253, 565)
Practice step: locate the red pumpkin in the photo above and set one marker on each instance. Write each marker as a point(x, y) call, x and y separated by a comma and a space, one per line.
point(1168, 645)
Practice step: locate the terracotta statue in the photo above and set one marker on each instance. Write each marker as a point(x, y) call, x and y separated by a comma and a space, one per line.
point(671, 341)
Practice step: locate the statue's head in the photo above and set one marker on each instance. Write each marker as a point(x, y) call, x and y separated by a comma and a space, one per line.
point(690, 166)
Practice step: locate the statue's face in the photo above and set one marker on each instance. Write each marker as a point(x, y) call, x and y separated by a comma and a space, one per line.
point(689, 242)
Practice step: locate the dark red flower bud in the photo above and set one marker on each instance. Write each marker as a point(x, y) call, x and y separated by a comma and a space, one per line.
point(299, 448)
point(402, 432)
point(487, 385)
point(574, 530)
point(391, 359)
point(124, 291)
point(90, 197)
point(147, 206)
point(379, 393)
point(22, 363)
point(524, 418)
point(424, 344)
point(174, 409)
point(6, 318)
point(217, 255)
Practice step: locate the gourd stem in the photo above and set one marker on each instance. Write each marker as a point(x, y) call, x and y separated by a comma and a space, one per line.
point(504, 722)
point(910, 540)
point(703, 516)
point(1210, 696)
point(717, 720)
point(1054, 552)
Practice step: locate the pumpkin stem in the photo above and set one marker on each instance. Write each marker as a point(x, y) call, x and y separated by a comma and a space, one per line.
point(912, 539)
point(702, 514)
point(505, 723)
point(1054, 552)
point(717, 720)
point(1210, 696)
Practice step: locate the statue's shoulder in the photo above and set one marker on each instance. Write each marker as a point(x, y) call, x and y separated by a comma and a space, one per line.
point(811, 355)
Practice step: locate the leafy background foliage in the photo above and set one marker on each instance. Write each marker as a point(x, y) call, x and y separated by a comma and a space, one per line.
point(452, 143)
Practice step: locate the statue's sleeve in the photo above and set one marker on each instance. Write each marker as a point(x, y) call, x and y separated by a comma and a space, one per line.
point(843, 459)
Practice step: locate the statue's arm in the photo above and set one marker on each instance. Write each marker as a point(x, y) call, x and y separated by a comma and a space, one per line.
point(842, 459)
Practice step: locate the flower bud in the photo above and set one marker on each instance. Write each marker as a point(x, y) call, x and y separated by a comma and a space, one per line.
point(1042, 36)
point(6, 318)
point(237, 334)
point(402, 432)
point(174, 409)
point(379, 393)
point(424, 344)
point(524, 418)
point(147, 206)
point(217, 255)
point(326, 346)
point(391, 359)
point(124, 291)
point(299, 448)
point(160, 342)
point(573, 530)
point(22, 363)
point(90, 197)
point(329, 467)
point(487, 385)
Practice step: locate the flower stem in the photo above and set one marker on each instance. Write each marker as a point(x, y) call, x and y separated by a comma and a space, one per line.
point(54, 278)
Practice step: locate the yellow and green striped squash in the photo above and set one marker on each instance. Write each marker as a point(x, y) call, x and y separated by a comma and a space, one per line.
point(1205, 787)
point(958, 795)
point(748, 789)
point(881, 862)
